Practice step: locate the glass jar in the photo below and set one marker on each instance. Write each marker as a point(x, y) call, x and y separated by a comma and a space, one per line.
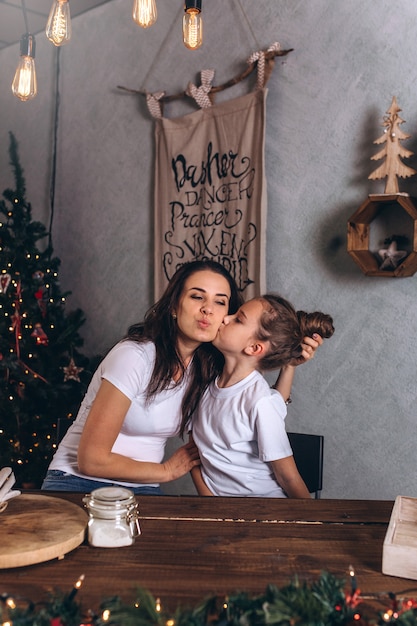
point(113, 517)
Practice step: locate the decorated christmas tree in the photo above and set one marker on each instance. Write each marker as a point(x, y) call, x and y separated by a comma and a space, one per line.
point(43, 376)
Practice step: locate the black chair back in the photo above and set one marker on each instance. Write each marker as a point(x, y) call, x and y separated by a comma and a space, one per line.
point(308, 456)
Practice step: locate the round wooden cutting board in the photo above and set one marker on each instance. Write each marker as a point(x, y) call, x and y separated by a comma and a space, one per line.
point(36, 528)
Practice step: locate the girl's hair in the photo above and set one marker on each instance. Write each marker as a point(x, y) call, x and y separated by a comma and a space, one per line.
point(284, 328)
point(160, 328)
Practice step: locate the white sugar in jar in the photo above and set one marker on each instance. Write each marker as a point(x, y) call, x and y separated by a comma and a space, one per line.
point(113, 517)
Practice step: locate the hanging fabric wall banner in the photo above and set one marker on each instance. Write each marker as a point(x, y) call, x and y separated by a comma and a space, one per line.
point(210, 190)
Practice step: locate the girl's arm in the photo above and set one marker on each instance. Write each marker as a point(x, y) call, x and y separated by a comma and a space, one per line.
point(288, 477)
point(103, 425)
point(197, 476)
point(199, 483)
point(283, 384)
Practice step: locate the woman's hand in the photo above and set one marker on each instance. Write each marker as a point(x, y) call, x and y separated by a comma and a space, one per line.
point(309, 345)
point(283, 384)
point(182, 461)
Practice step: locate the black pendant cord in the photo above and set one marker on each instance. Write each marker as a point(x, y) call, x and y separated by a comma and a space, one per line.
point(25, 17)
point(159, 53)
point(249, 25)
point(54, 149)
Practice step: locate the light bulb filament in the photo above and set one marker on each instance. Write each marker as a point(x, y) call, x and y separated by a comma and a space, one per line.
point(59, 27)
point(23, 82)
point(192, 31)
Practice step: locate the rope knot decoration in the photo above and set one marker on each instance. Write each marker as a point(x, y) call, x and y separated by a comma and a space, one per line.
point(259, 57)
point(201, 94)
point(154, 104)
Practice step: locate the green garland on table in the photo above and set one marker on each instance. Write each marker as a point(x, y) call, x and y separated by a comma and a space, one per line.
point(323, 603)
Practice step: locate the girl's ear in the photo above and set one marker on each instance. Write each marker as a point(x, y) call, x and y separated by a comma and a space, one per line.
point(255, 349)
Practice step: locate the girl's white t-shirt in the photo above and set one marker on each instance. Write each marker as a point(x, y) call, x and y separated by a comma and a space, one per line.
point(237, 430)
point(147, 425)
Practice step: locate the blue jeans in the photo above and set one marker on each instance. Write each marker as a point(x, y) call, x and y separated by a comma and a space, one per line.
point(56, 480)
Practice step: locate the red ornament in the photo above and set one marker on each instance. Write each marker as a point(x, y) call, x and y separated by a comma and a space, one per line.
point(42, 297)
point(40, 335)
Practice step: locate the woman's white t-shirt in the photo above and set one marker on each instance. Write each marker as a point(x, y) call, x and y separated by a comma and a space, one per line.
point(237, 430)
point(147, 425)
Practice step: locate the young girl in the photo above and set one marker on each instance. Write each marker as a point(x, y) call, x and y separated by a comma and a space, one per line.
point(239, 425)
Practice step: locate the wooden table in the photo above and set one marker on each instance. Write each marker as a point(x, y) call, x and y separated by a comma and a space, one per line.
point(193, 547)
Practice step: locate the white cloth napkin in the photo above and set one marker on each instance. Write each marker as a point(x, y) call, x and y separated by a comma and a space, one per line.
point(7, 480)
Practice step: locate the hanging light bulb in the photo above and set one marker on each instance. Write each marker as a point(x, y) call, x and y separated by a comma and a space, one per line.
point(192, 25)
point(144, 12)
point(24, 85)
point(58, 27)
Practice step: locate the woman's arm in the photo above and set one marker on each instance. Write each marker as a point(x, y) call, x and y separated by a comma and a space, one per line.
point(103, 424)
point(288, 477)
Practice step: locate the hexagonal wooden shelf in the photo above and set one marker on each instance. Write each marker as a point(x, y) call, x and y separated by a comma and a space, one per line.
point(359, 230)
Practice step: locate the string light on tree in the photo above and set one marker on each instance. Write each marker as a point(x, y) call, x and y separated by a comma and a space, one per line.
point(38, 339)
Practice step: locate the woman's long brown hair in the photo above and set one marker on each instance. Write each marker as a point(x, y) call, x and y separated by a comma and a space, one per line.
point(160, 328)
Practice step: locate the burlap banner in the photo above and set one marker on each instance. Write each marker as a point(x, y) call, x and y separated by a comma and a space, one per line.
point(210, 191)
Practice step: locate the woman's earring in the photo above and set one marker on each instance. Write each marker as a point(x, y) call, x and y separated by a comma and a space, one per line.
point(174, 317)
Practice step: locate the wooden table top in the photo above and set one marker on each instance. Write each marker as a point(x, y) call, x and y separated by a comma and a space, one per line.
point(193, 547)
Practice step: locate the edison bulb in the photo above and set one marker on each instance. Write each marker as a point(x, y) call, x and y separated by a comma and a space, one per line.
point(144, 12)
point(58, 27)
point(24, 85)
point(192, 28)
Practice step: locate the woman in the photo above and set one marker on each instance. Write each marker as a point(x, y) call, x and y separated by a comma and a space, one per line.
point(146, 388)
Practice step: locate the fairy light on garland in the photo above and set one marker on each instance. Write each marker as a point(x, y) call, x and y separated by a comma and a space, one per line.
point(76, 587)
point(105, 616)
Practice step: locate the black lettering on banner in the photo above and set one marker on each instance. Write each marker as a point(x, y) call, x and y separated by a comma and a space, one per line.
point(209, 217)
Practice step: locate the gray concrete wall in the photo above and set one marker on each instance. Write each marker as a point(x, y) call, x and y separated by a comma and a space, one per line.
point(325, 106)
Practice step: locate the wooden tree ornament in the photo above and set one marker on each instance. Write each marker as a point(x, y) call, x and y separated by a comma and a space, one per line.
point(392, 151)
point(389, 261)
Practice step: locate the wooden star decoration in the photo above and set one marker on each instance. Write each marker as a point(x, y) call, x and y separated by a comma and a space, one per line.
point(71, 372)
point(391, 257)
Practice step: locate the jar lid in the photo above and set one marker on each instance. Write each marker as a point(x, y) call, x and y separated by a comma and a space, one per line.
point(115, 498)
point(112, 494)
